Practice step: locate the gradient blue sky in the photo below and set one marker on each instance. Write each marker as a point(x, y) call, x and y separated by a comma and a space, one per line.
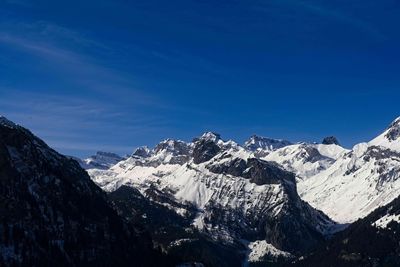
point(114, 75)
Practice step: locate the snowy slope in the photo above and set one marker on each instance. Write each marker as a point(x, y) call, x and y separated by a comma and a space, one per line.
point(387, 219)
point(390, 138)
point(345, 184)
point(237, 196)
point(260, 249)
point(259, 143)
point(101, 160)
point(306, 160)
point(359, 181)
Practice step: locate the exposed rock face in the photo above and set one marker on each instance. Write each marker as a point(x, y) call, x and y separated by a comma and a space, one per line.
point(52, 214)
point(310, 154)
point(236, 167)
point(393, 132)
point(142, 152)
point(262, 172)
point(171, 231)
point(258, 171)
point(204, 150)
point(330, 140)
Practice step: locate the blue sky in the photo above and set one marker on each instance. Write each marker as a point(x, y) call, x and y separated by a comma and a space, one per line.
point(114, 75)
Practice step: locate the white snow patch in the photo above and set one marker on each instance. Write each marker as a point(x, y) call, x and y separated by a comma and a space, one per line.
point(260, 248)
point(385, 220)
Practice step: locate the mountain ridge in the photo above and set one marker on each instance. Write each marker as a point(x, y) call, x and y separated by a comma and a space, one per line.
point(52, 213)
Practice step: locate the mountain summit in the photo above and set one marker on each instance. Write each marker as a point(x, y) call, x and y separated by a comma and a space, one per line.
point(330, 140)
point(390, 138)
point(258, 142)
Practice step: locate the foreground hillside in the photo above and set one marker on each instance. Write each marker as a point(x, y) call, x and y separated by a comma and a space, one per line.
point(52, 214)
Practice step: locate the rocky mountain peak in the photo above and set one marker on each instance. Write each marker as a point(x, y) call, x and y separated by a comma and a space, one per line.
point(258, 142)
point(175, 147)
point(393, 132)
point(390, 138)
point(142, 152)
point(101, 160)
point(330, 140)
point(204, 150)
point(211, 136)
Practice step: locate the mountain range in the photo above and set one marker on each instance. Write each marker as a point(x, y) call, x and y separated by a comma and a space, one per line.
point(208, 202)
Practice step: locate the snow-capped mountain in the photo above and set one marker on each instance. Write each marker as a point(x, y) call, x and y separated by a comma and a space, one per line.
point(330, 140)
point(264, 144)
point(101, 160)
point(235, 191)
point(236, 195)
point(390, 138)
point(142, 152)
point(209, 200)
point(306, 160)
point(360, 180)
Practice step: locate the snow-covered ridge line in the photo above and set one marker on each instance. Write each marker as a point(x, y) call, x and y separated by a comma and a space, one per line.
point(390, 137)
point(232, 189)
point(345, 184)
point(360, 180)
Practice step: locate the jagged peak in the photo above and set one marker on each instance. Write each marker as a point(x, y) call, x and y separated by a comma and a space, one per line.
point(176, 147)
point(142, 151)
point(212, 136)
point(395, 123)
point(259, 142)
point(169, 143)
point(393, 131)
point(390, 138)
point(259, 137)
point(330, 140)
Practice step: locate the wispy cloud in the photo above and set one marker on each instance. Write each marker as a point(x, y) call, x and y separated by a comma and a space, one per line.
point(79, 68)
point(70, 54)
point(68, 122)
point(107, 110)
point(340, 17)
